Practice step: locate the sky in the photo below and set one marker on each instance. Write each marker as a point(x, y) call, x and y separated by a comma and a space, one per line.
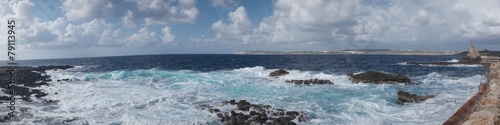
point(90, 28)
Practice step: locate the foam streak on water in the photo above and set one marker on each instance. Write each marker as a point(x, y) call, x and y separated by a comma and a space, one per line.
point(156, 96)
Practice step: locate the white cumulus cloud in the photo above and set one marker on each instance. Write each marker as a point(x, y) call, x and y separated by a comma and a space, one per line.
point(358, 23)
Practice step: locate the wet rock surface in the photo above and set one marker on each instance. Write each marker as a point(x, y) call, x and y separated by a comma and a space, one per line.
point(26, 79)
point(407, 97)
point(310, 81)
point(246, 113)
point(379, 78)
point(279, 72)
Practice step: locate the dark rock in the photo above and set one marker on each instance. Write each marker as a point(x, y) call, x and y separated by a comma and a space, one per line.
point(50, 101)
point(249, 114)
point(5, 119)
point(310, 81)
point(407, 97)
point(379, 78)
point(4, 98)
point(243, 105)
point(279, 72)
point(26, 79)
point(212, 110)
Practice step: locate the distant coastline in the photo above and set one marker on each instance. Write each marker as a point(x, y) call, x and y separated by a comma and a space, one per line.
point(355, 52)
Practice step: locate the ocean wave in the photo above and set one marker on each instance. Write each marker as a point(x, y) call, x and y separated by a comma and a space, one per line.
point(452, 65)
point(453, 60)
point(153, 96)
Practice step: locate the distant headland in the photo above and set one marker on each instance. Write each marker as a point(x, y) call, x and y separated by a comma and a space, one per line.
point(378, 52)
point(358, 52)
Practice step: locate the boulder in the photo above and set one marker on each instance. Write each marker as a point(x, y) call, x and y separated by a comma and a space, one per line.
point(407, 97)
point(379, 78)
point(279, 72)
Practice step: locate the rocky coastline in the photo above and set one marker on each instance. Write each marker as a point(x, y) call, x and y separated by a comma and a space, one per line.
point(245, 113)
point(26, 79)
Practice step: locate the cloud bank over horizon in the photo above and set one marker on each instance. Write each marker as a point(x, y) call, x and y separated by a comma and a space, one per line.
point(79, 28)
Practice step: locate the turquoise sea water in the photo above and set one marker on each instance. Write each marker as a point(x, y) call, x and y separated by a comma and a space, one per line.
point(168, 89)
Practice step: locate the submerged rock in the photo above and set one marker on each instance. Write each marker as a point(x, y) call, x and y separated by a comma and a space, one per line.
point(310, 81)
point(279, 72)
point(379, 78)
point(246, 113)
point(407, 97)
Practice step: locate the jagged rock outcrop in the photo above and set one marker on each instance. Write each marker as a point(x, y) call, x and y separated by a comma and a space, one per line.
point(27, 78)
point(310, 81)
point(246, 113)
point(279, 72)
point(407, 97)
point(379, 78)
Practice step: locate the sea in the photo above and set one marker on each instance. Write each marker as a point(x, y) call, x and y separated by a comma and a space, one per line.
point(168, 89)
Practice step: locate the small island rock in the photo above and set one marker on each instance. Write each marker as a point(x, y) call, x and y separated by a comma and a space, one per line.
point(407, 97)
point(279, 72)
point(379, 78)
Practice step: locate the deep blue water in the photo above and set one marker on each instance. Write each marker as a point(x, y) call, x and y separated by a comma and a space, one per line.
point(323, 63)
point(108, 90)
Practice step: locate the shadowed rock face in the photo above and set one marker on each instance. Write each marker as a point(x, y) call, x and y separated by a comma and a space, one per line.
point(407, 97)
point(246, 113)
point(279, 72)
point(379, 78)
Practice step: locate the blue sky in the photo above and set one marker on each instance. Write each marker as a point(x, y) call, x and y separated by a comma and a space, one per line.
point(88, 28)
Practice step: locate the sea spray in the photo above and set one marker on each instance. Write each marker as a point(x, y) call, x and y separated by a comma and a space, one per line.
point(153, 96)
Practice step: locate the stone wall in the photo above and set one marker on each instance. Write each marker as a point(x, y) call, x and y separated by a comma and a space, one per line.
point(484, 107)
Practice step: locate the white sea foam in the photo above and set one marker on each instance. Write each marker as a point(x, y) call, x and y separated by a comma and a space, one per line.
point(172, 97)
point(402, 63)
point(453, 60)
point(465, 65)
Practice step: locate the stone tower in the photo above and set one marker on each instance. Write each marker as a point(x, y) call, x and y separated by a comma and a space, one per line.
point(473, 53)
